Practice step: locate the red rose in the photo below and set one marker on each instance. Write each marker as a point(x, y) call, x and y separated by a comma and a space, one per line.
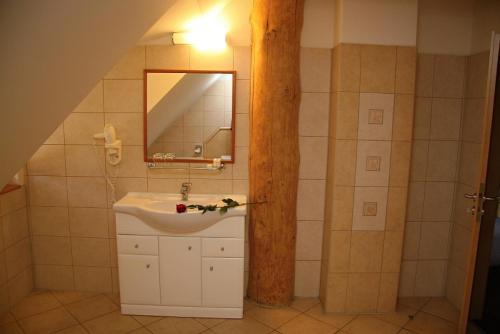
point(180, 208)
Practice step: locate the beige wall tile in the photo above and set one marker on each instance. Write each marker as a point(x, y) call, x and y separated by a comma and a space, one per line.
point(412, 240)
point(445, 121)
point(336, 293)
point(93, 279)
point(472, 120)
point(344, 162)
point(93, 102)
point(313, 156)
point(13, 200)
point(393, 248)
point(18, 258)
point(403, 117)
point(130, 66)
point(57, 137)
point(349, 68)
point(123, 96)
point(362, 292)
point(430, 278)
point(407, 278)
point(396, 208)
point(425, 74)
point(388, 292)
point(89, 192)
point(342, 206)
point(48, 160)
point(434, 241)
point(400, 164)
point(438, 201)
point(419, 157)
point(364, 196)
point(315, 69)
point(131, 165)
point(79, 128)
point(313, 113)
point(422, 118)
point(449, 76)
point(378, 68)
point(455, 286)
point(307, 278)
point(309, 237)
point(366, 251)
point(47, 191)
point(373, 163)
point(166, 185)
point(442, 161)
point(242, 61)
point(308, 205)
point(375, 116)
point(199, 60)
point(88, 222)
point(240, 187)
point(84, 160)
point(15, 227)
point(49, 221)
point(345, 106)
point(124, 185)
point(90, 252)
point(477, 74)
point(54, 277)
point(240, 167)
point(242, 130)
point(469, 163)
point(242, 96)
point(416, 195)
point(208, 186)
point(406, 64)
point(51, 250)
point(128, 127)
point(460, 215)
point(460, 246)
point(167, 57)
point(339, 253)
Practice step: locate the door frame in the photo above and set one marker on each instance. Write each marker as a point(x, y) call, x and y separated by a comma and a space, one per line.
point(487, 120)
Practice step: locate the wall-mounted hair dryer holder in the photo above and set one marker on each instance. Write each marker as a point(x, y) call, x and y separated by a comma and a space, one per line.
point(112, 145)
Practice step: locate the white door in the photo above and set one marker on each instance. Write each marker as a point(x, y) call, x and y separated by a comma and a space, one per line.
point(139, 279)
point(223, 282)
point(180, 271)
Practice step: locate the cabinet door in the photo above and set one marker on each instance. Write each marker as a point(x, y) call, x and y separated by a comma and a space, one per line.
point(180, 271)
point(223, 282)
point(139, 279)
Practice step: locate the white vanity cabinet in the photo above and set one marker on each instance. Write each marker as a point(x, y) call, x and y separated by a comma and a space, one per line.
point(198, 274)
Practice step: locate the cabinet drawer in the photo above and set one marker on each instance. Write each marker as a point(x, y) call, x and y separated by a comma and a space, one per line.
point(223, 247)
point(140, 245)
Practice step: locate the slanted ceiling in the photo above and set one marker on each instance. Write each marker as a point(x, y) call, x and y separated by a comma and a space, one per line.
point(53, 53)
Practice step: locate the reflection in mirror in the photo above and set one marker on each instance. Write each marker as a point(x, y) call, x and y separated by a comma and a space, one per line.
point(189, 115)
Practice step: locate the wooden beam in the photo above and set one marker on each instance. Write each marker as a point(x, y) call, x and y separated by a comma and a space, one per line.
point(274, 148)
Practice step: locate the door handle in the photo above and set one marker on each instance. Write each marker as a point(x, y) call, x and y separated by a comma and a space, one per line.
point(470, 196)
point(484, 198)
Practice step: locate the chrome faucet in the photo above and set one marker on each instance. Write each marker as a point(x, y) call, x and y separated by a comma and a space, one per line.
point(185, 188)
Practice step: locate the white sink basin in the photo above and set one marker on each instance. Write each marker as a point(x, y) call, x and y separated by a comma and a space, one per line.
point(159, 210)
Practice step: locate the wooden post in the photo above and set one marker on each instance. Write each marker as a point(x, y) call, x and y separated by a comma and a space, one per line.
point(274, 148)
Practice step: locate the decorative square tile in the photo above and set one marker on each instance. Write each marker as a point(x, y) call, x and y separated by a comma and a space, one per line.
point(373, 163)
point(363, 215)
point(375, 116)
point(369, 208)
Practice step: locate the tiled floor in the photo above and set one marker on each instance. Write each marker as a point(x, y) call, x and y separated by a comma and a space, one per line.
point(75, 312)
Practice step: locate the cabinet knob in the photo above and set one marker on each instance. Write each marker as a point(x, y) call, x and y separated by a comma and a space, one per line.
point(222, 249)
point(148, 265)
point(211, 268)
point(136, 246)
point(189, 247)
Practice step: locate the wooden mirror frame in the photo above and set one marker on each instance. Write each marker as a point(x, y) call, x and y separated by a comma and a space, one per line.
point(145, 117)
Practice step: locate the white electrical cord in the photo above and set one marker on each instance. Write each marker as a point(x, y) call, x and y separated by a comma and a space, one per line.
point(109, 179)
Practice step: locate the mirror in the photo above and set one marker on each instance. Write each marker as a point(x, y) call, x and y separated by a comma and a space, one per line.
point(189, 115)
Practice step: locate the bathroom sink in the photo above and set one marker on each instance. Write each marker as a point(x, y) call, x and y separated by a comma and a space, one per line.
point(159, 210)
